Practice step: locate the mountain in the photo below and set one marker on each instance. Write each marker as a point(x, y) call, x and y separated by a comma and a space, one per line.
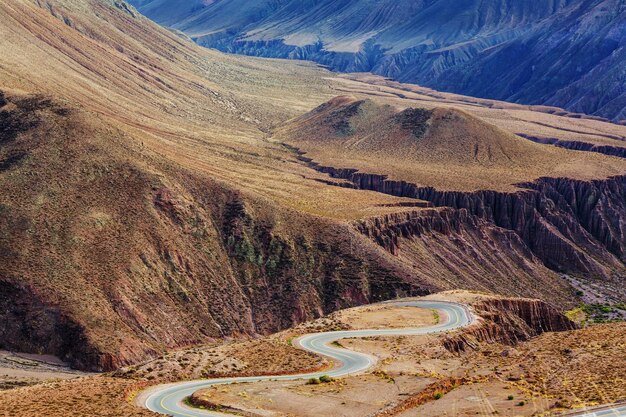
point(151, 198)
point(141, 208)
point(565, 53)
point(511, 182)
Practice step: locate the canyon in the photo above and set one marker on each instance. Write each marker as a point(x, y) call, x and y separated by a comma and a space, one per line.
point(573, 226)
point(566, 53)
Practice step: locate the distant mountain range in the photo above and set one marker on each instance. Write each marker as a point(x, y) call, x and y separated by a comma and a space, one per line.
point(566, 53)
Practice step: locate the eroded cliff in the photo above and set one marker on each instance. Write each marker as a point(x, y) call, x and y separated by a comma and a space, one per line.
point(573, 226)
point(508, 321)
point(579, 145)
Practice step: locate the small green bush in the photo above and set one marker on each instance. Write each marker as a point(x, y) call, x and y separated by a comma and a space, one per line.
point(510, 398)
point(438, 395)
point(325, 379)
point(313, 381)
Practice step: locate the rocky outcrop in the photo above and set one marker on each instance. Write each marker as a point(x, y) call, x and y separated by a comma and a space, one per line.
point(578, 145)
point(460, 250)
point(388, 230)
point(572, 226)
point(430, 393)
point(200, 400)
point(508, 321)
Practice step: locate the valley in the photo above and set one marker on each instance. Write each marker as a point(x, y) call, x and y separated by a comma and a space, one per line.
point(568, 53)
point(170, 213)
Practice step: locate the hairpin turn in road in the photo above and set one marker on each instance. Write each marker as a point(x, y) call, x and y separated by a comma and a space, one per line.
point(169, 398)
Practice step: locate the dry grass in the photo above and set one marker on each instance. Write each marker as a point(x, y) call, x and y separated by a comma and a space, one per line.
point(444, 148)
point(582, 367)
point(84, 397)
point(266, 356)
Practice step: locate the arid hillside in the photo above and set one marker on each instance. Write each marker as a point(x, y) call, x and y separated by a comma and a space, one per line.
point(130, 220)
point(144, 205)
point(444, 157)
point(567, 53)
point(521, 358)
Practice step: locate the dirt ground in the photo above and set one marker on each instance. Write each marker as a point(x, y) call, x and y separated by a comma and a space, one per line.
point(342, 398)
point(415, 376)
point(387, 316)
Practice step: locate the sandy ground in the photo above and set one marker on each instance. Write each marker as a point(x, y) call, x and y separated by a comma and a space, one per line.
point(387, 316)
point(342, 398)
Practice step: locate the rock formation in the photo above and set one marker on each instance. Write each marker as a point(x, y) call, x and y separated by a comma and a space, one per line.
point(508, 321)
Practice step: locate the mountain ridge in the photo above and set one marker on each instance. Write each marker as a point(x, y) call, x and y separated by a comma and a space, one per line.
point(517, 51)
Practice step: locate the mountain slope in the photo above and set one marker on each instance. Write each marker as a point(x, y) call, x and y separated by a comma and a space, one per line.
point(125, 231)
point(143, 206)
point(541, 194)
point(523, 51)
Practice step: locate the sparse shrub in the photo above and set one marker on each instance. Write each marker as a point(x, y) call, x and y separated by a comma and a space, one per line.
point(313, 381)
point(521, 403)
point(438, 395)
point(325, 379)
point(510, 398)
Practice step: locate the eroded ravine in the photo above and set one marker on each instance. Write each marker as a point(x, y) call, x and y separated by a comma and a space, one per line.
point(572, 226)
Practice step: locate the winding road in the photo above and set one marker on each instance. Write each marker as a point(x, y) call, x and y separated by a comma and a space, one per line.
point(169, 398)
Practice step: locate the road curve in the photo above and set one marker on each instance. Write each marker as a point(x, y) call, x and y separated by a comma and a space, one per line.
point(169, 398)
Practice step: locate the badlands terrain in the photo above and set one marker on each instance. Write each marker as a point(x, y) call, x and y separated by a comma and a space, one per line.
point(159, 199)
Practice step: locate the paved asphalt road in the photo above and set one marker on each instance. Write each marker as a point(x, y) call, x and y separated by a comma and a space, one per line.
point(168, 399)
